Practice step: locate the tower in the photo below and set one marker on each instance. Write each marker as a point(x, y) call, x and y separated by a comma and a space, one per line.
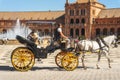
point(66, 1)
point(79, 17)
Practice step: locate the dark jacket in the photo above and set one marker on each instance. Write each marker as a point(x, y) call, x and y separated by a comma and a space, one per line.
point(57, 35)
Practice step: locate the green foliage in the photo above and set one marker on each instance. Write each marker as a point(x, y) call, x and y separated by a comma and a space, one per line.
point(81, 37)
point(118, 37)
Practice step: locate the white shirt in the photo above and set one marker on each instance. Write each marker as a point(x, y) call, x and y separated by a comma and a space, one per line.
point(59, 29)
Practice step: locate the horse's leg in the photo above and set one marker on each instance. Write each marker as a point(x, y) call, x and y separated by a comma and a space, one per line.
point(99, 57)
point(108, 58)
point(82, 58)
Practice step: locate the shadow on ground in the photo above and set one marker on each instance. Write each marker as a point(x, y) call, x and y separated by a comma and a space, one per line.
point(8, 68)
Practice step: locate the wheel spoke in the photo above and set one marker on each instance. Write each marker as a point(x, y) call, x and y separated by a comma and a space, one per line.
point(58, 58)
point(22, 59)
point(70, 62)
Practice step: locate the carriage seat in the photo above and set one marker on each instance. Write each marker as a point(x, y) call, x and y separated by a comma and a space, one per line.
point(64, 47)
point(22, 40)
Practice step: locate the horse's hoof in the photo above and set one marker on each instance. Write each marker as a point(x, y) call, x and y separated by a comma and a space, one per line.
point(110, 67)
point(98, 67)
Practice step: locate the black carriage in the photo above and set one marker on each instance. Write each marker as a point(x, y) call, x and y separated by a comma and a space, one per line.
point(23, 58)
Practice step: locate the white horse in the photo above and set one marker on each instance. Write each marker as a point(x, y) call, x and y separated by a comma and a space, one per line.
point(99, 46)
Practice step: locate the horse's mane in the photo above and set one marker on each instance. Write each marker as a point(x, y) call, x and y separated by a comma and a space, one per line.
point(109, 36)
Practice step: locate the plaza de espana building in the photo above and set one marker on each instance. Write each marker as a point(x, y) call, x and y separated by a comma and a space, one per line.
point(87, 18)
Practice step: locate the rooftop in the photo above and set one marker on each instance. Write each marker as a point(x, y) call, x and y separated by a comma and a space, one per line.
point(109, 13)
point(31, 15)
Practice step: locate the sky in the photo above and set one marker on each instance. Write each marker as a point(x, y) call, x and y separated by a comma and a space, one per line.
point(45, 5)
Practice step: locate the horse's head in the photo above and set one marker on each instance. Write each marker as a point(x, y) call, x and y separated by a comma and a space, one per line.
point(115, 40)
point(111, 40)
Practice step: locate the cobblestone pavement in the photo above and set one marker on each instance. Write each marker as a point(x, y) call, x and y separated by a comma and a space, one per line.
point(49, 71)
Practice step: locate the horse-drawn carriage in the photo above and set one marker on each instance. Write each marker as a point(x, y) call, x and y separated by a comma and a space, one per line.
point(23, 58)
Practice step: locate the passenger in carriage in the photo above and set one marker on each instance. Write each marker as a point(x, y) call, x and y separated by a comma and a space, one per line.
point(33, 36)
point(59, 35)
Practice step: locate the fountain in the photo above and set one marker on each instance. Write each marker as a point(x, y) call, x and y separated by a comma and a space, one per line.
point(16, 30)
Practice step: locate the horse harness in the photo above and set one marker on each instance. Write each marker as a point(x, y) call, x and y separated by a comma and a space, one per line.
point(102, 47)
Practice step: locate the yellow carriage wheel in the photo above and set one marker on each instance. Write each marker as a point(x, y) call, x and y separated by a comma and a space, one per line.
point(69, 61)
point(22, 59)
point(59, 57)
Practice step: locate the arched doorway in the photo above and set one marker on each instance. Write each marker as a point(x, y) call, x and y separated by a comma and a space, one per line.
point(71, 32)
point(46, 32)
point(97, 32)
point(112, 31)
point(4, 31)
point(118, 31)
point(83, 32)
point(71, 21)
point(40, 32)
point(105, 31)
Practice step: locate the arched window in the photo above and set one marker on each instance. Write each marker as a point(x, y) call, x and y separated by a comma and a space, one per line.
point(77, 21)
point(105, 31)
point(80, 12)
point(77, 12)
point(77, 32)
point(46, 32)
point(83, 21)
point(40, 32)
point(83, 32)
point(4, 31)
point(97, 32)
point(93, 12)
point(83, 12)
point(112, 31)
point(71, 32)
point(118, 31)
point(71, 12)
point(71, 21)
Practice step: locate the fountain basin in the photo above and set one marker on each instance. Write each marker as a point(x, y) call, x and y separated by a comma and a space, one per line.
point(9, 42)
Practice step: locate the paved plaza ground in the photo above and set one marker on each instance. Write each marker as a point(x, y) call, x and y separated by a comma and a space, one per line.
point(49, 71)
